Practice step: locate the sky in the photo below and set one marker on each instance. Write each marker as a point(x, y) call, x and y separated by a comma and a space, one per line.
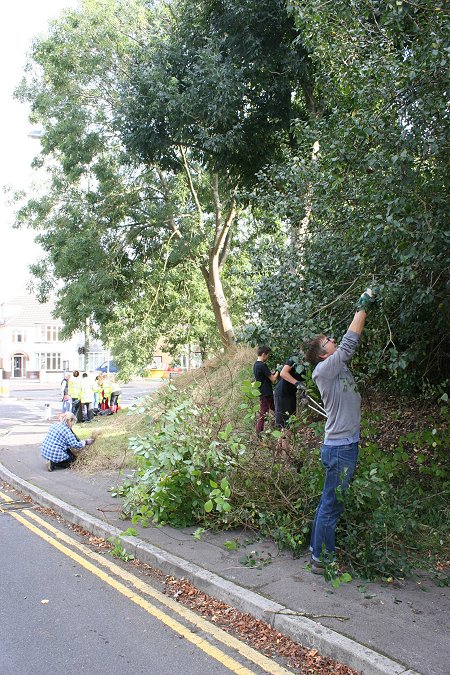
point(22, 21)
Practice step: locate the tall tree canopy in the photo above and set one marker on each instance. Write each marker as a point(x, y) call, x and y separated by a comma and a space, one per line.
point(379, 180)
point(223, 150)
point(155, 119)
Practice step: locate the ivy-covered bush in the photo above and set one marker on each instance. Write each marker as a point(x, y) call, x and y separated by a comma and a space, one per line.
point(396, 516)
point(364, 196)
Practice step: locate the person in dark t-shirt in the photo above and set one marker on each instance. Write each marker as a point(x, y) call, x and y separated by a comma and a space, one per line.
point(285, 396)
point(266, 378)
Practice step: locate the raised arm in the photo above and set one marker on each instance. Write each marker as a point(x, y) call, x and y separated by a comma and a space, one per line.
point(358, 322)
point(332, 362)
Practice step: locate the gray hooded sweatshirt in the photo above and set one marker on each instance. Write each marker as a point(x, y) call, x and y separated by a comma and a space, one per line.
point(338, 390)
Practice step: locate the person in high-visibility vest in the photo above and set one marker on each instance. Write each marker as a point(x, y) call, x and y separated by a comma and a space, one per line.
point(98, 391)
point(75, 394)
point(87, 397)
point(107, 390)
point(114, 398)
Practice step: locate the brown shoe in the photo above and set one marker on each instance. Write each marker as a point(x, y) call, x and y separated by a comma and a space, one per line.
point(317, 567)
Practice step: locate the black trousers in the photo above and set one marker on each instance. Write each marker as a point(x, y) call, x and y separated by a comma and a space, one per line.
point(86, 414)
point(76, 409)
point(65, 463)
point(284, 407)
point(114, 398)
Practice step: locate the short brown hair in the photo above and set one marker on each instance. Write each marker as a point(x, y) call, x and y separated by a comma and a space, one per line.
point(263, 350)
point(314, 350)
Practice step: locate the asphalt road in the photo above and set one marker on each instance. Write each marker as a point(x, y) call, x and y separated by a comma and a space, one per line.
point(50, 393)
point(64, 611)
point(13, 412)
point(26, 400)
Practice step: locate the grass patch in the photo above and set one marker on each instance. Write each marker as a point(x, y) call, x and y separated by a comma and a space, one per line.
point(110, 452)
point(219, 380)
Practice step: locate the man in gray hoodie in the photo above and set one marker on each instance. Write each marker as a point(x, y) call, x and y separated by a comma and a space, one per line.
point(339, 452)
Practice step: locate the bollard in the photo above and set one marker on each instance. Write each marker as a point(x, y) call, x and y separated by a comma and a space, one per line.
point(4, 388)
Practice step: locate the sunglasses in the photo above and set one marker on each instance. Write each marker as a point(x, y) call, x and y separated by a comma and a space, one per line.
point(325, 342)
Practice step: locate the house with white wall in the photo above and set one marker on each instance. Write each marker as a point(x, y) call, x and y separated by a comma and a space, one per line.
point(31, 346)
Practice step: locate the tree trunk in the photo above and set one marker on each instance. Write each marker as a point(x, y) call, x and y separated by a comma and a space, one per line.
point(218, 300)
point(218, 253)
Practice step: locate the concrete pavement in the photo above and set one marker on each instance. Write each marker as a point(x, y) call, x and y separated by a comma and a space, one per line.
point(397, 628)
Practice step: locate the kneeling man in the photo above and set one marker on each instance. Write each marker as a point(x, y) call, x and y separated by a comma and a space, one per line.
point(61, 446)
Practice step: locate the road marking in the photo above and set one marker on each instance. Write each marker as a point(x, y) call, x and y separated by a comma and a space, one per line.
point(219, 635)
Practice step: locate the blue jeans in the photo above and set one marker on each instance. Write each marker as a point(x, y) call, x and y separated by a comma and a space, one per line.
point(66, 406)
point(340, 462)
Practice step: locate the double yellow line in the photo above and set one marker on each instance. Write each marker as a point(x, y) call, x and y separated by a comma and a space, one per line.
point(220, 636)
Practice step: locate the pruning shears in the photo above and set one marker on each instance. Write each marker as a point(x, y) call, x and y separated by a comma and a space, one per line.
point(306, 399)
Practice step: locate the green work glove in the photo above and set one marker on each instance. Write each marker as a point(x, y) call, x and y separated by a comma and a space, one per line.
point(366, 301)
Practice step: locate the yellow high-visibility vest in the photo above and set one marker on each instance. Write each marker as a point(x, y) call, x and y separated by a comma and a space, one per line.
point(74, 388)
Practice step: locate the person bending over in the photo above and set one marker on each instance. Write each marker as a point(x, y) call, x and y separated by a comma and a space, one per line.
point(339, 452)
point(286, 400)
point(61, 446)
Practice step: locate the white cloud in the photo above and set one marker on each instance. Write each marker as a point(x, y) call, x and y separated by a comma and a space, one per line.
point(21, 22)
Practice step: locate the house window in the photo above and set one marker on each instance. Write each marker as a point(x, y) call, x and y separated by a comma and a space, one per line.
point(156, 363)
point(50, 333)
point(18, 335)
point(48, 361)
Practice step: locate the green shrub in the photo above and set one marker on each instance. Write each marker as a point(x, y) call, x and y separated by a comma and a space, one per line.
point(397, 505)
point(182, 466)
point(195, 467)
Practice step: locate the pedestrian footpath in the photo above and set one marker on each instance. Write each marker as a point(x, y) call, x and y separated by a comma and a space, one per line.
point(385, 628)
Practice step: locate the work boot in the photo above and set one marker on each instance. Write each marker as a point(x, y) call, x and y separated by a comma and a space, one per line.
point(317, 567)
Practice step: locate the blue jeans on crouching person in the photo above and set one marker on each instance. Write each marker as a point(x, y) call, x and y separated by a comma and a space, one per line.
point(340, 462)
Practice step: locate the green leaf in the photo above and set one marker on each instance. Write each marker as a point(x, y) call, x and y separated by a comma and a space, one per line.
point(130, 532)
point(231, 545)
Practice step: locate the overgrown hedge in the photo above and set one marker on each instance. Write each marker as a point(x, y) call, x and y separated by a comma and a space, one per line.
point(200, 463)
